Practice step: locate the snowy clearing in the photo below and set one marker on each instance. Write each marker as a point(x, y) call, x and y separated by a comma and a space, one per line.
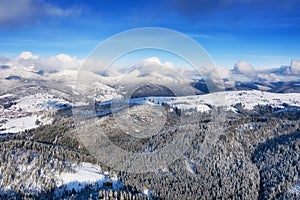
point(85, 175)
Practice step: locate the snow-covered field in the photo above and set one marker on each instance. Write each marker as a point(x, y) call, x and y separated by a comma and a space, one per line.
point(249, 99)
point(19, 124)
point(29, 109)
point(85, 175)
point(28, 112)
point(40, 102)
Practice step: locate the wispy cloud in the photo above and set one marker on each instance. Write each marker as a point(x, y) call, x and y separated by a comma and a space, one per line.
point(52, 10)
point(15, 12)
point(199, 35)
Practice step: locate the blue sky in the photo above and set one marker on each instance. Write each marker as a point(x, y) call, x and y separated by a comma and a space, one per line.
point(265, 33)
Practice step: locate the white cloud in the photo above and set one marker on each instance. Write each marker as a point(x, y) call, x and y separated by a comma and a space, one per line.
point(26, 55)
point(52, 10)
point(245, 68)
point(283, 73)
point(223, 72)
point(220, 76)
point(27, 60)
point(269, 77)
point(32, 62)
point(156, 61)
point(61, 62)
point(153, 60)
point(153, 66)
point(154, 69)
point(295, 67)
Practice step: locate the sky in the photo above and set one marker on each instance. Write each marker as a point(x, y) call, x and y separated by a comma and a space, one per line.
point(264, 33)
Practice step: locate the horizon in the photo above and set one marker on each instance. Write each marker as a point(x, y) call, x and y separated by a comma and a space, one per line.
point(131, 59)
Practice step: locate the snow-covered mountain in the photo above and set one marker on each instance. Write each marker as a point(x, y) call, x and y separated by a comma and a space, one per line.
point(150, 72)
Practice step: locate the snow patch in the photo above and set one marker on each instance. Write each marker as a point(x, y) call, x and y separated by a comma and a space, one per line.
point(6, 95)
point(19, 124)
point(85, 175)
point(232, 109)
point(85, 172)
point(296, 189)
point(190, 166)
point(147, 193)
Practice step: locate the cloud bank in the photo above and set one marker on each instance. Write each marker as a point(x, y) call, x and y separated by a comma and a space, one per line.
point(281, 74)
point(155, 68)
point(32, 62)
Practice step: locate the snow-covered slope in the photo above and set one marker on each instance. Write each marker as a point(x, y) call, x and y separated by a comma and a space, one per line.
point(151, 72)
point(85, 175)
point(30, 111)
point(19, 114)
point(248, 99)
point(73, 178)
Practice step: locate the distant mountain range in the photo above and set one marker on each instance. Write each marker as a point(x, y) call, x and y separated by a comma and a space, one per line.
point(156, 79)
